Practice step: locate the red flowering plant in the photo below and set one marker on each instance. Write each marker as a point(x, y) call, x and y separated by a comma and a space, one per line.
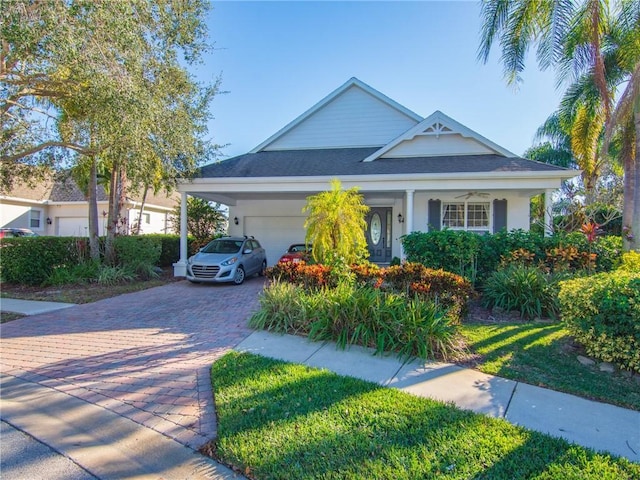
point(590, 231)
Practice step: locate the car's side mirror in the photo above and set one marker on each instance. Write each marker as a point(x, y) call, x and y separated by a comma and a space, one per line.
point(247, 251)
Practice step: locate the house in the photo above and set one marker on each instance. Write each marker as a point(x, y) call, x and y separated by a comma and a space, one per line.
point(57, 207)
point(415, 174)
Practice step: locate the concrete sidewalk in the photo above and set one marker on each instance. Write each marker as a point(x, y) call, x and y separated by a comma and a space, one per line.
point(591, 424)
point(30, 307)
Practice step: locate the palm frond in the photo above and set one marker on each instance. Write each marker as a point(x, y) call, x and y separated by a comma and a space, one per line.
point(495, 14)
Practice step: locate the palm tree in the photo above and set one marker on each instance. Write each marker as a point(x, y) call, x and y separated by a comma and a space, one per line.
point(577, 38)
point(336, 225)
point(625, 120)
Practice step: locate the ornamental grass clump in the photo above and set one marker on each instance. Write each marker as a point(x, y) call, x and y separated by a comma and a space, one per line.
point(353, 315)
point(526, 289)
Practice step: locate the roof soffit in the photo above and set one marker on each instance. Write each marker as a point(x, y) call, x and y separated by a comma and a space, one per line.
point(435, 125)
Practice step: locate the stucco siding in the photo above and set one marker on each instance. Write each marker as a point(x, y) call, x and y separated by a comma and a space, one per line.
point(353, 119)
point(14, 216)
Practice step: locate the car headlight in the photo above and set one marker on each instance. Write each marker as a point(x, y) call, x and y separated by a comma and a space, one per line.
point(190, 260)
point(229, 261)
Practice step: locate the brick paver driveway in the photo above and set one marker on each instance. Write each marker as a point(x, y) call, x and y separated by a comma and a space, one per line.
point(144, 355)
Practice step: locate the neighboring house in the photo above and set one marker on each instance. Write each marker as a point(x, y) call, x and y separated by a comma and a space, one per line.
point(57, 207)
point(416, 174)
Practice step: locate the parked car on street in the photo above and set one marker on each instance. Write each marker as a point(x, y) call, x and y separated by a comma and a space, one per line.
point(227, 259)
point(296, 253)
point(16, 232)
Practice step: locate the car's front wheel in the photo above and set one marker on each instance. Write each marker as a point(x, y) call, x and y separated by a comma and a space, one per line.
point(238, 278)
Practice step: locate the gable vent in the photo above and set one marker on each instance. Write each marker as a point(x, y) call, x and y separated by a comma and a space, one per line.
point(437, 128)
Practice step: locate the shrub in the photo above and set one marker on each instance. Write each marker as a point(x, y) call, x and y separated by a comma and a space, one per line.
point(630, 262)
point(138, 254)
point(32, 260)
point(476, 256)
point(300, 273)
point(522, 288)
point(133, 249)
point(411, 279)
point(84, 272)
point(443, 288)
point(603, 313)
point(359, 315)
point(453, 251)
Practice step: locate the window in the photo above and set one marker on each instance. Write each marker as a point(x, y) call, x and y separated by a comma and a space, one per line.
point(147, 218)
point(466, 215)
point(35, 219)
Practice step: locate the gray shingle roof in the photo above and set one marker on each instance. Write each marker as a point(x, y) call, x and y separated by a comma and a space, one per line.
point(348, 161)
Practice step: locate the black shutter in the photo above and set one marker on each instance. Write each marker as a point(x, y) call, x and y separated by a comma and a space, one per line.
point(499, 215)
point(434, 214)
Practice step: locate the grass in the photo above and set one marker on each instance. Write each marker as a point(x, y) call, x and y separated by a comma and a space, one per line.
point(283, 421)
point(543, 354)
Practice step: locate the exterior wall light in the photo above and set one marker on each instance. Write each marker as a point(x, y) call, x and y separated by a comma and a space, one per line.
point(235, 220)
point(400, 218)
point(48, 221)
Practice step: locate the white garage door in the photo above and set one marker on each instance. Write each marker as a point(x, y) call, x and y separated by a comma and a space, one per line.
point(72, 227)
point(275, 233)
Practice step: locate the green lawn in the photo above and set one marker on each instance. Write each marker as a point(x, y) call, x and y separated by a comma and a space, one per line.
point(285, 421)
point(543, 354)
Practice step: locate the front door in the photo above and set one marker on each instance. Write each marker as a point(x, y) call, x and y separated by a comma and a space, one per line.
point(379, 235)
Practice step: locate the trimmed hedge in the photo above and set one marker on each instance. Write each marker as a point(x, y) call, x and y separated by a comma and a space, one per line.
point(603, 313)
point(133, 250)
point(31, 260)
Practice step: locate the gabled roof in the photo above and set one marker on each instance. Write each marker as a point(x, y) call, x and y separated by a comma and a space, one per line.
point(438, 124)
point(353, 82)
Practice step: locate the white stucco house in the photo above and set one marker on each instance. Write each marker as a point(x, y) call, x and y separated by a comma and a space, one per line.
point(415, 174)
point(57, 207)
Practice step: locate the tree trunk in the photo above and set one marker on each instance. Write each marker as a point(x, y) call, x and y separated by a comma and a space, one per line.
point(138, 229)
point(589, 182)
point(94, 243)
point(116, 223)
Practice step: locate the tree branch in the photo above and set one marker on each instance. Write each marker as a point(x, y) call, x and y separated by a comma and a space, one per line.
point(43, 146)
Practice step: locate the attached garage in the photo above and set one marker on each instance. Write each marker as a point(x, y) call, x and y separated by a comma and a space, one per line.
point(72, 226)
point(275, 233)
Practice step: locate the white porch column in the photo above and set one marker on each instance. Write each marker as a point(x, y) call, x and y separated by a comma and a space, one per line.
point(409, 216)
point(548, 218)
point(180, 267)
point(408, 219)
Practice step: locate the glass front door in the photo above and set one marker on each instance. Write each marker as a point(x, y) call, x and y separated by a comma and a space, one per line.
point(379, 235)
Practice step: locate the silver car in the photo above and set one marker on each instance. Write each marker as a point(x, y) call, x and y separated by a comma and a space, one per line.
point(227, 259)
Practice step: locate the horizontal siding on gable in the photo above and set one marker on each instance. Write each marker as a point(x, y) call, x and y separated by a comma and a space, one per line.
point(354, 119)
point(449, 144)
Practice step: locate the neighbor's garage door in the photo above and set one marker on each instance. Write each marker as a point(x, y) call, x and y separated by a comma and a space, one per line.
point(275, 233)
point(72, 227)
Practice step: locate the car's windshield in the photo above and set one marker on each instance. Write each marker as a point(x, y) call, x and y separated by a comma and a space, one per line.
point(223, 246)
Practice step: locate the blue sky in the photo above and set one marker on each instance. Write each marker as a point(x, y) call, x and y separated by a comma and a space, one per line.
point(277, 59)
